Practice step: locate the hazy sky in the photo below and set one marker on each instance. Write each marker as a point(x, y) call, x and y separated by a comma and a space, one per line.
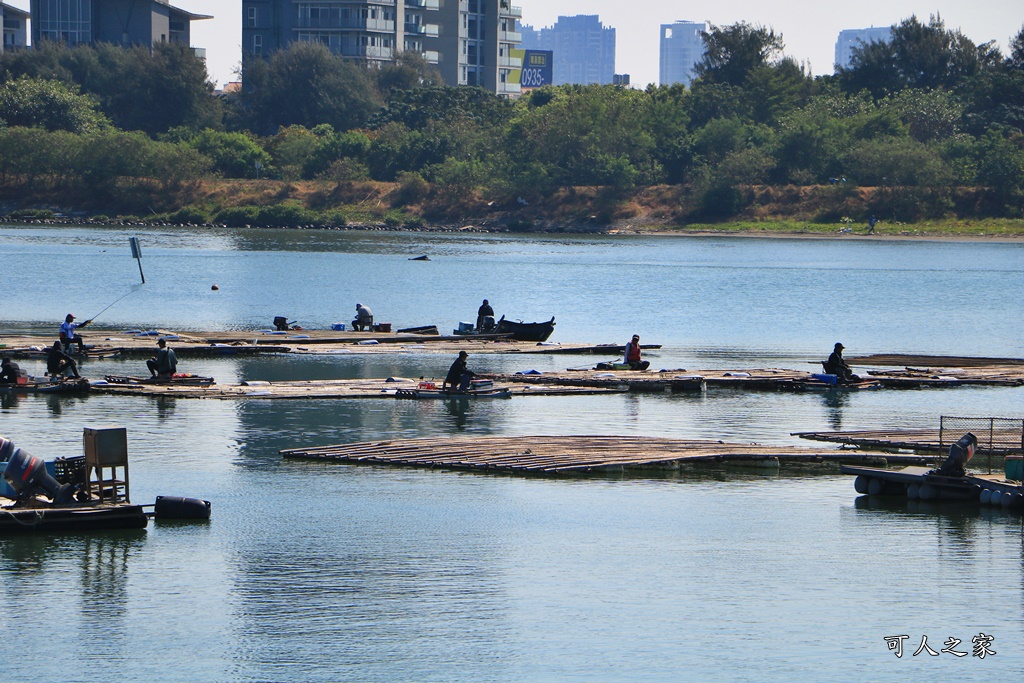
point(809, 30)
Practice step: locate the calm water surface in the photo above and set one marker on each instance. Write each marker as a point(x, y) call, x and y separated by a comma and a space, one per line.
point(314, 572)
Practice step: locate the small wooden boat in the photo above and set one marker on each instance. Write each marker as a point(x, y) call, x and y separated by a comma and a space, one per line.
point(180, 379)
point(520, 331)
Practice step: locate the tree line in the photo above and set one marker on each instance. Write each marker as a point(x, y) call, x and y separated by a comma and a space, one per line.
point(928, 109)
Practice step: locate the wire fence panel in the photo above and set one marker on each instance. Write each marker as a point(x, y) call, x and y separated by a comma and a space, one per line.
point(997, 436)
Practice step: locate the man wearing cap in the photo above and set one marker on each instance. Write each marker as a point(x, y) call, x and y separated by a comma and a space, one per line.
point(165, 364)
point(68, 336)
point(459, 375)
point(482, 314)
point(632, 355)
point(364, 318)
point(836, 365)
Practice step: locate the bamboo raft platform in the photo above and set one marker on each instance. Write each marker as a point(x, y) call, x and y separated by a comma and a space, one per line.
point(776, 379)
point(999, 442)
point(576, 455)
point(323, 389)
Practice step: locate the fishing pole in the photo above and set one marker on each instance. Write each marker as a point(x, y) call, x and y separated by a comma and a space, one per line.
point(133, 290)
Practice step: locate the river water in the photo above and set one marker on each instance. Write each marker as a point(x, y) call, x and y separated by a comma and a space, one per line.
point(319, 572)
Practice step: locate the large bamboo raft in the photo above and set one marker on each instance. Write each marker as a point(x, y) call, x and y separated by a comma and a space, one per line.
point(322, 388)
point(551, 455)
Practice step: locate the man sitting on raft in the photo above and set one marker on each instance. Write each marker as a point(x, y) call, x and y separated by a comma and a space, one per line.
point(632, 355)
point(459, 376)
point(837, 365)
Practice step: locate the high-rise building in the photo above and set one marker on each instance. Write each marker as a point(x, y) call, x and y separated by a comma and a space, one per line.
point(855, 37)
point(470, 41)
point(15, 22)
point(121, 22)
point(682, 47)
point(583, 49)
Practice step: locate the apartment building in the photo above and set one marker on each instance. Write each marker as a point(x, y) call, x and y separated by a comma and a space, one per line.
point(682, 47)
point(121, 22)
point(583, 49)
point(470, 41)
point(854, 37)
point(15, 23)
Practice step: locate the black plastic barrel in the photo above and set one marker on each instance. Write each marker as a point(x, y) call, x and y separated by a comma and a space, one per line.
point(176, 507)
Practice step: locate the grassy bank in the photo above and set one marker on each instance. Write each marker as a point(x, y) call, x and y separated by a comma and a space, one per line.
point(792, 211)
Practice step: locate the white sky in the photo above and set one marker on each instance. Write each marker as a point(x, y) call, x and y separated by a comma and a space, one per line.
point(809, 30)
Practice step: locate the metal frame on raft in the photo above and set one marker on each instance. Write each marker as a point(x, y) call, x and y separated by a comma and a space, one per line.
point(951, 481)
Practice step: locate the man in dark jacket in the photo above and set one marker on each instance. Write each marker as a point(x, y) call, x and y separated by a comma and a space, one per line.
point(9, 371)
point(58, 362)
point(837, 365)
point(165, 364)
point(482, 314)
point(458, 375)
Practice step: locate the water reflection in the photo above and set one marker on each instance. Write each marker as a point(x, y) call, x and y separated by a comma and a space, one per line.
point(835, 401)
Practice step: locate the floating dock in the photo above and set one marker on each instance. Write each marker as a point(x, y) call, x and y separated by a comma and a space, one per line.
point(322, 388)
point(997, 442)
point(574, 455)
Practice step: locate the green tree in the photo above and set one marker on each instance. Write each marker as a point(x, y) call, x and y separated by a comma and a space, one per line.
point(587, 135)
point(306, 85)
point(49, 104)
point(234, 155)
point(137, 88)
point(732, 52)
point(926, 56)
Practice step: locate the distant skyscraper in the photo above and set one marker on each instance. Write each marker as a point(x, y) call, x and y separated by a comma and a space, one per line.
point(682, 46)
point(853, 37)
point(583, 48)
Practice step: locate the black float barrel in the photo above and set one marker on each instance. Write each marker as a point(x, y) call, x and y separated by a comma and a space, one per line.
point(176, 507)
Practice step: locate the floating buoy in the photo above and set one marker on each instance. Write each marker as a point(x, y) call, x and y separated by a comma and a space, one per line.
point(986, 496)
point(913, 491)
point(176, 507)
point(860, 484)
point(1006, 499)
point(876, 486)
point(1016, 500)
point(927, 492)
point(215, 288)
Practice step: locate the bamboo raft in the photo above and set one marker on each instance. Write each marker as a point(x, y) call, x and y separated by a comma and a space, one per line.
point(575, 455)
point(309, 389)
point(999, 442)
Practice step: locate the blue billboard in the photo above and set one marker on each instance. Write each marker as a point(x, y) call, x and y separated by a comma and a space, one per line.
point(536, 68)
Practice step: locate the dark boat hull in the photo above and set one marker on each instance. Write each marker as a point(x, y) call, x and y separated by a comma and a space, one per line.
point(71, 518)
point(520, 331)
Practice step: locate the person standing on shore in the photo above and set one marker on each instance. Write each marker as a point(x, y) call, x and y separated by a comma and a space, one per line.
point(68, 334)
point(872, 222)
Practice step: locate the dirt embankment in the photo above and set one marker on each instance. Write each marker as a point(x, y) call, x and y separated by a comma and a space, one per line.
point(835, 208)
